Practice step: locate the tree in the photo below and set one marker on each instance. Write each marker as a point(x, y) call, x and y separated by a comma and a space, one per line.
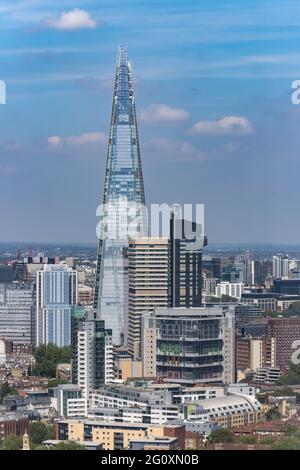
point(68, 445)
point(289, 429)
point(48, 357)
point(12, 442)
point(39, 432)
point(272, 414)
point(292, 377)
point(294, 309)
point(221, 435)
point(56, 382)
point(248, 440)
point(289, 443)
point(266, 441)
point(5, 390)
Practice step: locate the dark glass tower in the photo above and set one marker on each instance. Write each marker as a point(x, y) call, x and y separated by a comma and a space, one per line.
point(123, 188)
point(185, 266)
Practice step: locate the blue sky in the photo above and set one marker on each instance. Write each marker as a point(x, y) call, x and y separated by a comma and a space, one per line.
point(216, 121)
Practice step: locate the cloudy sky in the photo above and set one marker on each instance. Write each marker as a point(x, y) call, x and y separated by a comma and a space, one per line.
point(216, 121)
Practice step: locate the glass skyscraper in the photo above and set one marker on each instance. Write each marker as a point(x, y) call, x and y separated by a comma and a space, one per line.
point(123, 203)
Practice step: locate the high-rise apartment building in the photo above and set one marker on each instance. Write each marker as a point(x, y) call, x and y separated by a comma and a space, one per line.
point(189, 345)
point(92, 355)
point(78, 315)
point(122, 199)
point(56, 288)
point(185, 265)
point(147, 282)
point(16, 312)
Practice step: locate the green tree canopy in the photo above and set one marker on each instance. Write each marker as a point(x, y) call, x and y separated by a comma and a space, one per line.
point(272, 414)
point(39, 432)
point(56, 382)
point(248, 440)
point(5, 390)
point(292, 377)
point(221, 435)
point(68, 445)
point(47, 357)
point(12, 442)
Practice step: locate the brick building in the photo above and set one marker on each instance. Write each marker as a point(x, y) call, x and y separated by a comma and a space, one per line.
point(285, 331)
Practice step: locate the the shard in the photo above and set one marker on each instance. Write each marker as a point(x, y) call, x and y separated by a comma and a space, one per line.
point(123, 199)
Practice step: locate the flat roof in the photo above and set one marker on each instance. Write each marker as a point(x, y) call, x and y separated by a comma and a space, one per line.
point(113, 424)
point(84, 443)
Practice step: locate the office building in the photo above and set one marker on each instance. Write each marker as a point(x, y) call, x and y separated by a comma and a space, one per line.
point(189, 346)
point(16, 312)
point(286, 286)
point(148, 283)
point(56, 294)
point(257, 277)
point(263, 300)
point(123, 188)
point(218, 264)
point(6, 273)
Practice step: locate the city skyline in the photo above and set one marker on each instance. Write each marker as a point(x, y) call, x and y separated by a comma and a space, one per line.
point(215, 113)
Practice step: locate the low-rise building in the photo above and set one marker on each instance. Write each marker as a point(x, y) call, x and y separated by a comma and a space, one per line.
point(229, 411)
point(13, 423)
point(115, 436)
point(68, 401)
point(154, 443)
point(266, 375)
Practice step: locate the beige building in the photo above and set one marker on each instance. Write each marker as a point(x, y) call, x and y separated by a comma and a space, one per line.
point(112, 436)
point(255, 353)
point(127, 367)
point(148, 283)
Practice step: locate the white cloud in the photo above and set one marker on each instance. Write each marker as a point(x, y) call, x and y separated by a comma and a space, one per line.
point(163, 113)
point(87, 138)
point(71, 20)
point(174, 149)
point(227, 125)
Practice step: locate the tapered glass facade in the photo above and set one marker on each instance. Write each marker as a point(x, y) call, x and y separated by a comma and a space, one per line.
point(123, 193)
